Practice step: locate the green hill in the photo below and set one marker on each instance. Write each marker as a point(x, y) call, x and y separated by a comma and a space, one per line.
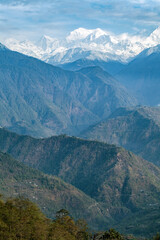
point(49, 192)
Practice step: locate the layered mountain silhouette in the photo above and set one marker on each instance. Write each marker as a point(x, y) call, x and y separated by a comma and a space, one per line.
point(112, 67)
point(141, 76)
point(119, 181)
point(136, 129)
point(41, 100)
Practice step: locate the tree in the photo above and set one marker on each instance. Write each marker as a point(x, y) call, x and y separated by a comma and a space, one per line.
point(157, 237)
point(23, 220)
point(112, 234)
point(62, 213)
point(83, 230)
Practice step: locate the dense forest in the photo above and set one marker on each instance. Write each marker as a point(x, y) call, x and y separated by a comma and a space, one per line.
point(20, 219)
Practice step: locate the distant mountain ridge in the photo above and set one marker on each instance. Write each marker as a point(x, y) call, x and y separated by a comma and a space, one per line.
point(112, 67)
point(91, 43)
point(42, 100)
point(141, 76)
point(136, 129)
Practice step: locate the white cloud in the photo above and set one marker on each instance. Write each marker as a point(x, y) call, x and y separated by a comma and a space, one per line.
point(26, 17)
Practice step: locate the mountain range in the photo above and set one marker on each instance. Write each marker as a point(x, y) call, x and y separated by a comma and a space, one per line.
point(93, 93)
point(42, 100)
point(83, 43)
point(136, 129)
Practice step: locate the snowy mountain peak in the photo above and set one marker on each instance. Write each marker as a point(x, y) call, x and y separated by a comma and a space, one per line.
point(82, 33)
point(99, 32)
point(87, 43)
point(78, 34)
point(47, 43)
point(154, 38)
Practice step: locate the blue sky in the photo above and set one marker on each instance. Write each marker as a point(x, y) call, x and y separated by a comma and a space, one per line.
point(30, 19)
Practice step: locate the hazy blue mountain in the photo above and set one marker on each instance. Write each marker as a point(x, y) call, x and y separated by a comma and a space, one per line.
point(136, 129)
point(121, 182)
point(112, 67)
point(107, 93)
point(49, 192)
point(142, 76)
point(41, 100)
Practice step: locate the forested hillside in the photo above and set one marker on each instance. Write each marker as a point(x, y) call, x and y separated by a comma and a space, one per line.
point(122, 183)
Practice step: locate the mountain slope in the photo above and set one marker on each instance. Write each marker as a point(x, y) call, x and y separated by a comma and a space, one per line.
point(41, 100)
point(50, 193)
point(136, 129)
point(108, 95)
point(120, 181)
point(146, 222)
point(141, 76)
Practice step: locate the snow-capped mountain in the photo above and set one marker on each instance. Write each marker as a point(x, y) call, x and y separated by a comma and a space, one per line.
point(26, 47)
point(84, 43)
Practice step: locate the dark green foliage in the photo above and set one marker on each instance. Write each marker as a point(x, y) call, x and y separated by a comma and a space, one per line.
point(21, 219)
point(112, 234)
point(62, 213)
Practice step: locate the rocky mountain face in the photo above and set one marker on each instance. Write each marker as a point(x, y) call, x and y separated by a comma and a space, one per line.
point(84, 43)
point(49, 192)
point(119, 181)
point(136, 129)
point(141, 76)
point(41, 100)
